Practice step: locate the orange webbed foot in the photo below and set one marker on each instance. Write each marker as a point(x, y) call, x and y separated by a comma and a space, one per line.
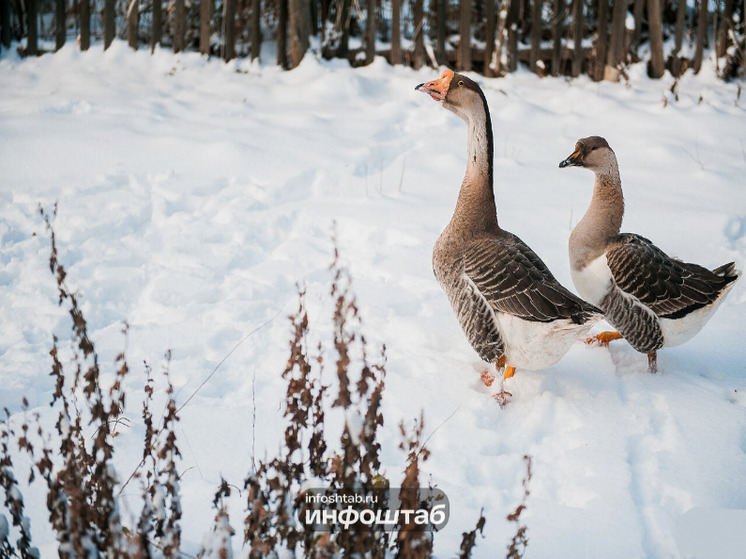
point(487, 377)
point(602, 339)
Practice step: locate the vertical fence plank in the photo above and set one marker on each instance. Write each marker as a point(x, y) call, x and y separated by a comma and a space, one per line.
point(32, 23)
point(133, 20)
point(395, 57)
point(514, 12)
point(657, 62)
point(256, 29)
point(109, 25)
point(558, 31)
point(577, 38)
point(6, 34)
point(418, 13)
point(179, 29)
point(370, 32)
point(156, 25)
point(205, 19)
point(536, 6)
point(440, 31)
point(60, 23)
point(464, 44)
point(282, 33)
point(489, 36)
point(601, 40)
point(616, 43)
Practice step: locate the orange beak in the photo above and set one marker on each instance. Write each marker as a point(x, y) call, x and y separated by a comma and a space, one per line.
point(575, 159)
point(437, 89)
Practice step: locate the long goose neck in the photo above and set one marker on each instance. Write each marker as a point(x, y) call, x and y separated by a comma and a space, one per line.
point(603, 219)
point(475, 207)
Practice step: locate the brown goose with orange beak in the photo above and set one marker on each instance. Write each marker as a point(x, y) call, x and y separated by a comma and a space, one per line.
point(653, 300)
point(511, 308)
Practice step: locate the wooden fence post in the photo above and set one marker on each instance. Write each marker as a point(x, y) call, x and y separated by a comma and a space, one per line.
point(205, 17)
point(282, 33)
point(601, 40)
point(657, 62)
point(440, 31)
point(85, 24)
point(536, 22)
point(723, 38)
point(616, 44)
point(701, 36)
point(577, 38)
point(395, 58)
point(156, 25)
point(6, 35)
point(489, 36)
point(179, 31)
point(514, 12)
point(133, 19)
point(60, 23)
point(32, 22)
point(558, 29)
point(418, 14)
point(463, 62)
point(370, 32)
point(256, 29)
point(229, 29)
point(109, 25)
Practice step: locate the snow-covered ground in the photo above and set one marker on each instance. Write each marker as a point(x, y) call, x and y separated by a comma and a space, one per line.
point(194, 196)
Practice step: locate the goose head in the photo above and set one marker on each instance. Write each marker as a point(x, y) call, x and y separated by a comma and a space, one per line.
point(455, 92)
point(592, 153)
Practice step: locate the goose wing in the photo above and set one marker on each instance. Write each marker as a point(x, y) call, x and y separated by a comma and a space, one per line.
point(513, 279)
point(669, 287)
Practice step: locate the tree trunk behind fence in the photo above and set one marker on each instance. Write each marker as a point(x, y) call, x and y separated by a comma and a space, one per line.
point(156, 25)
point(229, 29)
point(489, 36)
point(370, 32)
point(179, 25)
point(440, 31)
point(464, 42)
point(577, 38)
point(133, 19)
point(205, 18)
point(395, 58)
point(256, 29)
point(6, 35)
point(701, 36)
point(418, 13)
point(602, 22)
point(109, 25)
point(60, 28)
point(558, 30)
point(32, 22)
point(655, 17)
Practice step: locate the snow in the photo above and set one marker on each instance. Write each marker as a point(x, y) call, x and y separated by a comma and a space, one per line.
point(195, 196)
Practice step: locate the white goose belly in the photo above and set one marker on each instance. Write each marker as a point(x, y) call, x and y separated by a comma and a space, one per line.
point(537, 345)
point(594, 281)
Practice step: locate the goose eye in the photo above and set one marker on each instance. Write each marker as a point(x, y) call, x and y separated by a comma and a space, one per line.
point(461, 83)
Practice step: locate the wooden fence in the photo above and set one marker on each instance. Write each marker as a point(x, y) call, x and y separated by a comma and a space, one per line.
point(551, 37)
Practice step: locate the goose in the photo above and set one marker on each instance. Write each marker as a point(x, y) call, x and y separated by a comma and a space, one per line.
point(651, 299)
point(512, 310)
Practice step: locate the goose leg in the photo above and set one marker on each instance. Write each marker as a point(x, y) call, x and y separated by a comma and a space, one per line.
point(603, 338)
point(652, 361)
